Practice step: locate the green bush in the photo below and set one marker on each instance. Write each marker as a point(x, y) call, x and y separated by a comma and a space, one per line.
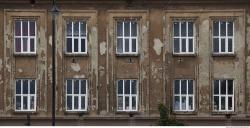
point(165, 119)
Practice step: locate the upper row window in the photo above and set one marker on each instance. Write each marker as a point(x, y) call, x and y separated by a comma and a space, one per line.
point(25, 36)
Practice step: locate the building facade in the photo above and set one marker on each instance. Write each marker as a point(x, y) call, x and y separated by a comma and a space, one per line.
point(117, 60)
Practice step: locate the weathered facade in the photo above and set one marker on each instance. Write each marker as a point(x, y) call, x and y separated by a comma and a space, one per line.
point(155, 67)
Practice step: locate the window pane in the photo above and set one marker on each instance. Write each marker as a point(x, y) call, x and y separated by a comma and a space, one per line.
point(76, 28)
point(176, 45)
point(216, 87)
point(223, 87)
point(83, 29)
point(69, 44)
point(69, 102)
point(25, 28)
point(190, 29)
point(216, 28)
point(133, 103)
point(223, 28)
point(75, 102)
point(69, 28)
point(216, 45)
point(75, 45)
point(230, 28)
point(176, 87)
point(25, 102)
point(230, 45)
point(127, 28)
point(17, 28)
point(230, 103)
point(32, 87)
point(120, 103)
point(176, 28)
point(83, 102)
point(25, 86)
point(18, 102)
point(18, 44)
point(18, 86)
point(133, 45)
point(126, 45)
point(120, 87)
point(133, 87)
point(223, 103)
point(176, 103)
point(83, 47)
point(190, 87)
point(183, 104)
point(216, 102)
point(127, 86)
point(32, 45)
point(119, 28)
point(190, 103)
point(183, 86)
point(183, 29)
point(25, 44)
point(126, 103)
point(183, 45)
point(83, 86)
point(230, 86)
point(76, 86)
point(119, 45)
point(32, 28)
point(133, 28)
point(190, 45)
point(32, 102)
point(223, 45)
point(69, 86)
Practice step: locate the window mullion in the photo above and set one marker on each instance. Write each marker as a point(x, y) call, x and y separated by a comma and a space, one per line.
point(180, 39)
point(187, 49)
point(28, 38)
point(79, 37)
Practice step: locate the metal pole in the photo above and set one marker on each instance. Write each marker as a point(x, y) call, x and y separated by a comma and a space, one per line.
point(54, 13)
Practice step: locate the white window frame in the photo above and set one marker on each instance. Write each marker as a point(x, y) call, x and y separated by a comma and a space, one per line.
point(78, 95)
point(79, 37)
point(223, 95)
point(180, 95)
point(130, 37)
point(186, 37)
point(26, 95)
point(28, 37)
point(223, 37)
point(127, 95)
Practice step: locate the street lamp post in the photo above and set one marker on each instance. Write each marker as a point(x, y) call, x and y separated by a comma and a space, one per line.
point(55, 11)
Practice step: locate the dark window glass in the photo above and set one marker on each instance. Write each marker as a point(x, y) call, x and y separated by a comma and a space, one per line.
point(230, 86)
point(75, 102)
point(183, 29)
point(83, 86)
point(69, 86)
point(25, 44)
point(133, 103)
point(127, 86)
point(183, 45)
point(230, 28)
point(183, 104)
point(120, 87)
point(176, 29)
point(126, 45)
point(18, 86)
point(76, 86)
point(18, 44)
point(76, 28)
point(216, 28)
point(223, 103)
point(119, 45)
point(216, 45)
point(18, 102)
point(126, 103)
point(223, 28)
point(223, 45)
point(75, 45)
point(183, 86)
point(177, 87)
point(83, 102)
point(83, 28)
point(176, 45)
point(25, 86)
point(133, 87)
point(133, 45)
point(32, 87)
point(32, 102)
point(177, 103)
point(119, 28)
point(69, 44)
point(190, 29)
point(190, 45)
point(216, 87)
point(127, 28)
point(17, 28)
point(133, 28)
point(69, 28)
point(223, 87)
point(25, 102)
point(25, 28)
point(32, 45)
point(230, 103)
point(190, 103)
point(120, 102)
point(230, 45)
point(190, 87)
point(32, 28)
point(83, 47)
point(216, 102)
point(69, 102)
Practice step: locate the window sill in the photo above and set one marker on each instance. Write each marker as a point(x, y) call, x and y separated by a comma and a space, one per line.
point(223, 112)
point(184, 54)
point(24, 112)
point(126, 55)
point(127, 112)
point(76, 54)
point(25, 54)
point(80, 113)
point(223, 54)
point(184, 112)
